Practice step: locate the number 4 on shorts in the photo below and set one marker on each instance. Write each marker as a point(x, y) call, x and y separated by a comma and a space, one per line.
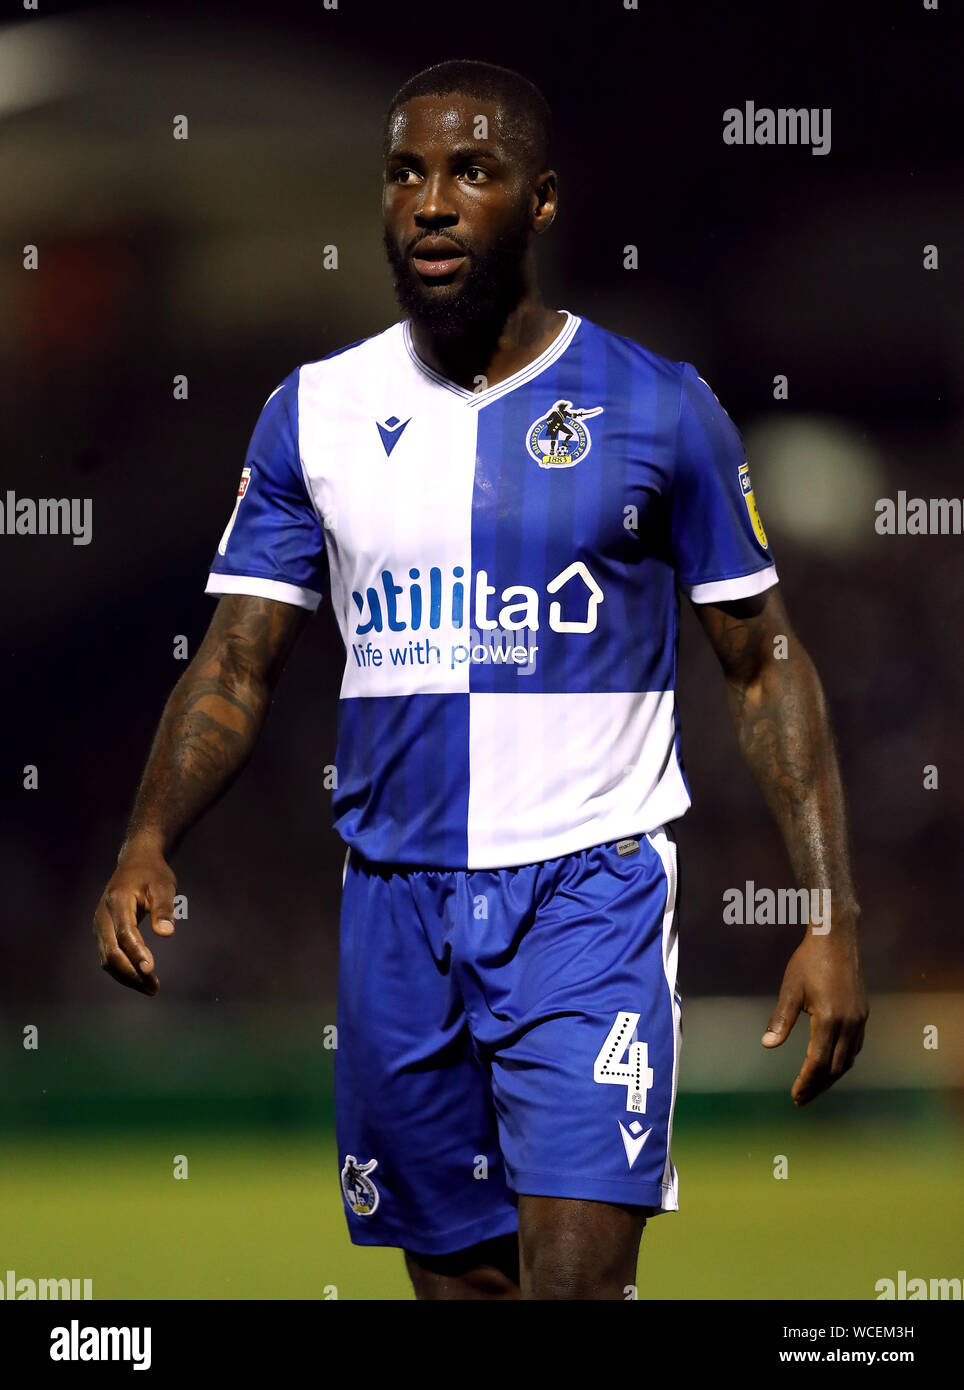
point(635, 1074)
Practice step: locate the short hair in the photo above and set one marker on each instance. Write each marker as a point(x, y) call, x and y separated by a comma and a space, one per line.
point(528, 117)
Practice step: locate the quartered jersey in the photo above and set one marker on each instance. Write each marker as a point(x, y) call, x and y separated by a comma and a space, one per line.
point(504, 567)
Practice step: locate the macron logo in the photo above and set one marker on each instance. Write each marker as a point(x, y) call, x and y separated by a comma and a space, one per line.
point(631, 1143)
point(391, 431)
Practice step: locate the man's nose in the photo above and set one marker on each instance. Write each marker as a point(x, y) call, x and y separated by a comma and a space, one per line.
point(435, 207)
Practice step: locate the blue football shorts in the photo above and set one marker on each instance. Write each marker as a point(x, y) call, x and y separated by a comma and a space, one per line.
point(505, 1032)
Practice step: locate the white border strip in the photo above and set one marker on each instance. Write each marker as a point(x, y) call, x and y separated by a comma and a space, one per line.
point(744, 586)
point(666, 849)
point(501, 388)
point(262, 588)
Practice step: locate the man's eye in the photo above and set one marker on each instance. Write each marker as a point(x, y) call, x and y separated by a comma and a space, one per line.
point(404, 176)
point(475, 175)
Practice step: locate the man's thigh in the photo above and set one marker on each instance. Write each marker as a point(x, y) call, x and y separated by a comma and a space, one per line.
point(573, 1003)
point(418, 1149)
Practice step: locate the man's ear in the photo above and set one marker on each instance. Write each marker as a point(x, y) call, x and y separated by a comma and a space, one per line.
point(547, 200)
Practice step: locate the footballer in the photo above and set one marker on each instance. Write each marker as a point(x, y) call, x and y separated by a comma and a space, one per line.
point(503, 502)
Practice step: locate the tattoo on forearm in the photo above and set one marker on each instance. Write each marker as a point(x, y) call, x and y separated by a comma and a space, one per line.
point(213, 716)
point(786, 739)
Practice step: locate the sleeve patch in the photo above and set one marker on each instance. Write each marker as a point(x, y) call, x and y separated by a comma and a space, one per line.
point(242, 489)
point(746, 487)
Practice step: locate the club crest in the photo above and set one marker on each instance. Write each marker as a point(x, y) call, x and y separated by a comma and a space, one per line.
point(361, 1194)
point(560, 438)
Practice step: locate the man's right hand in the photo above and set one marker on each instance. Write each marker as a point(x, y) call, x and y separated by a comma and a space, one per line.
point(142, 882)
point(206, 734)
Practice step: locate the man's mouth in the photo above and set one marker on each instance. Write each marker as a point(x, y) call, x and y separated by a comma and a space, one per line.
point(436, 257)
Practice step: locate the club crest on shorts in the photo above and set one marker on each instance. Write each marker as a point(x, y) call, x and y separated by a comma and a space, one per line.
point(361, 1194)
point(746, 487)
point(559, 438)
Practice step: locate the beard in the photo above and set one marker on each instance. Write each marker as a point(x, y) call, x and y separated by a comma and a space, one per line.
point(480, 305)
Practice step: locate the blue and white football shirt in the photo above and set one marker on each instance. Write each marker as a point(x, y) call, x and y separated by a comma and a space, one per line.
point(503, 566)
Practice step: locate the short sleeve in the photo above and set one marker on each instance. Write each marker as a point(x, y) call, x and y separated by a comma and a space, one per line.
point(719, 544)
point(273, 545)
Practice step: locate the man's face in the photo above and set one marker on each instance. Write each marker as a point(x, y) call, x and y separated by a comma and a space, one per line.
point(458, 212)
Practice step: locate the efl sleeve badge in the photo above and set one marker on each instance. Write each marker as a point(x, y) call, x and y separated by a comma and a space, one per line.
point(746, 487)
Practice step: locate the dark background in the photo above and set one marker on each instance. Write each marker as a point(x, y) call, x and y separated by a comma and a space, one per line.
point(204, 257)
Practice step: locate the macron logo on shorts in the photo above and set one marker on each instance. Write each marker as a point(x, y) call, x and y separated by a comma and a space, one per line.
point(631, 1144)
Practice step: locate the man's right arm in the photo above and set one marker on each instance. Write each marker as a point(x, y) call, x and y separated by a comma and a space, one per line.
point(209, 726)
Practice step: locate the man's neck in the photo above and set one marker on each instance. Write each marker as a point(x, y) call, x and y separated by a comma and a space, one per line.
point(482, 359)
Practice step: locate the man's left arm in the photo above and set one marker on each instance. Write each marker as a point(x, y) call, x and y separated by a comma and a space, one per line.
point(785, 737)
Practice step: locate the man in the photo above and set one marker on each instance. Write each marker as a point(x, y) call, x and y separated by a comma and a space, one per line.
point(507, 760)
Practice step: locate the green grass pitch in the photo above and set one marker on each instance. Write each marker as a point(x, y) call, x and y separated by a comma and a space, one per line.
point(260, 1215)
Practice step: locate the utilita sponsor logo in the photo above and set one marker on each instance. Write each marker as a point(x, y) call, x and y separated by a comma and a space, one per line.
point(397, 607)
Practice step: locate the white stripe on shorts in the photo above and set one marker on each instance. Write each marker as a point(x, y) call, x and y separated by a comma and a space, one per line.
point(666, 849)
